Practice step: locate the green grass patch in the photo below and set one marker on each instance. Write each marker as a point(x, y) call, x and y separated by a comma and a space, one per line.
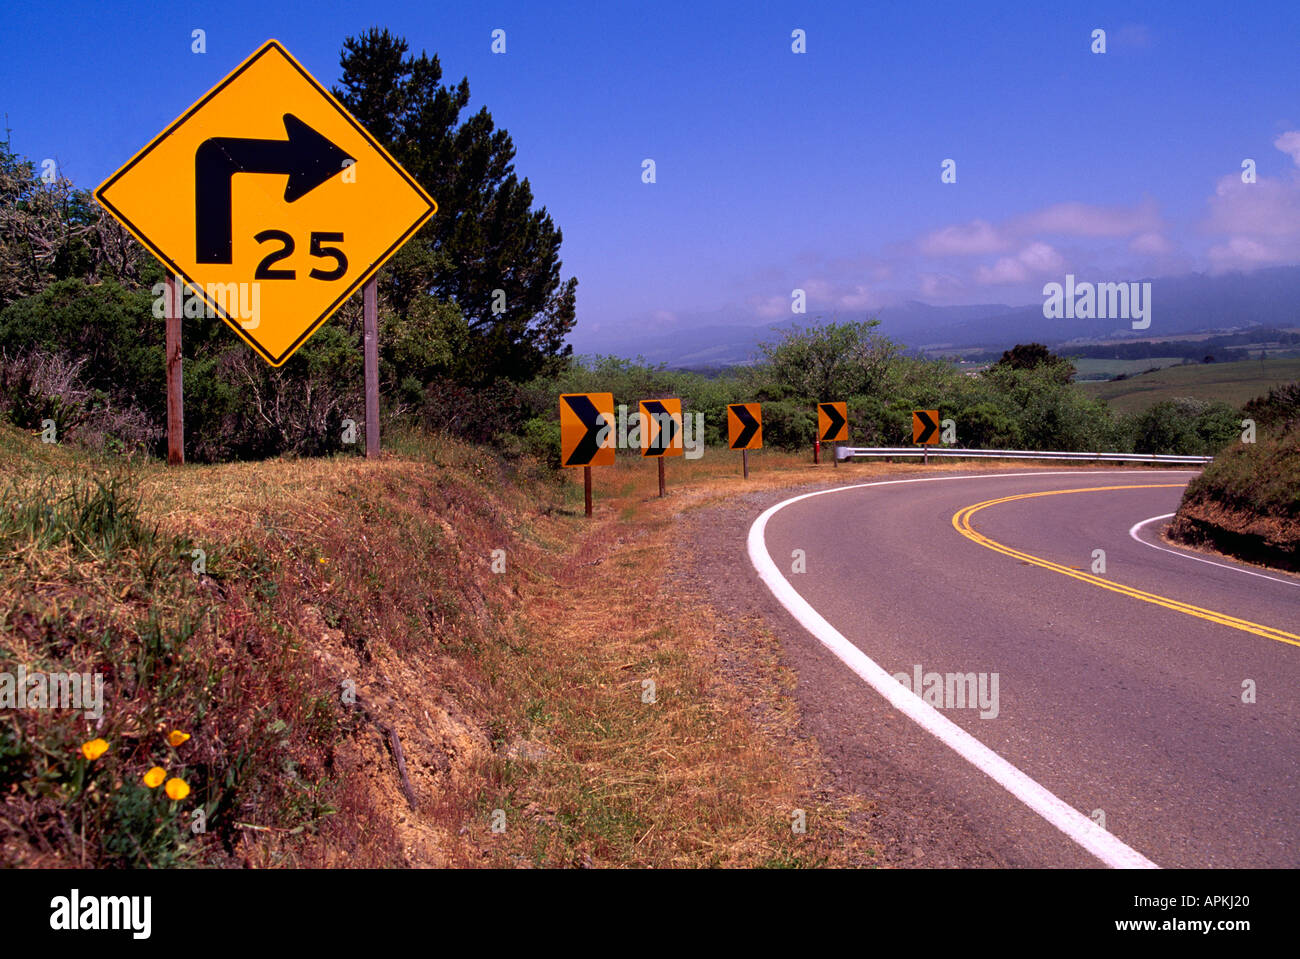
point(1233, 383)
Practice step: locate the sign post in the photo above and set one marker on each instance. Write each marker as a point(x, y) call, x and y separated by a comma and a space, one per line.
point(274, 206)
point(175, 379)
point(745, 431)
point(370, 317)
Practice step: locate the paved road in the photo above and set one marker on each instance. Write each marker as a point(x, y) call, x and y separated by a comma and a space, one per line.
point(1113, 701)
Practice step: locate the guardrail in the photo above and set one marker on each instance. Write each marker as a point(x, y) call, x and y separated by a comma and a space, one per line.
point(845, 453)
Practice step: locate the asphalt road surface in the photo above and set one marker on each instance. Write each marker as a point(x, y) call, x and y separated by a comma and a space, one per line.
point(1118, 691)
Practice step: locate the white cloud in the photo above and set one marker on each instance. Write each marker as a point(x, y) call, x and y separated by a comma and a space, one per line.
point(1041, 258)
point(1082, 219)
point(1005, 270)
point(978, 236)
point(1037, 258)
point(860, 298)
point(1259, 223)
point(1244, 253)
point(940, 286)
point(1289, 143)
point(770, 307)
point(1153, 243)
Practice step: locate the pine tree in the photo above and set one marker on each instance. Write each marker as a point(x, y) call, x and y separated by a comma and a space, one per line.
point(486, 236)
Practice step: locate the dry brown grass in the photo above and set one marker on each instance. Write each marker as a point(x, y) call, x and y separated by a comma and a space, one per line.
point(712, 771)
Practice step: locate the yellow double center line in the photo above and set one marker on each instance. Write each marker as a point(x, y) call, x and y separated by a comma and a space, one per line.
point(961, 522)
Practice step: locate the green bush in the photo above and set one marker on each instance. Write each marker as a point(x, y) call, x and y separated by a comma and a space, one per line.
point(108, 330)
point(789, 424)
point(1261, 477)
point(1183, 427)
point(540, 437)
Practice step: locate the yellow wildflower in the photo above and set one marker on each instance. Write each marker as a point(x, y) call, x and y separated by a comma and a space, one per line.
point(177, 788)
point(94, 749)
point(176, 737)
point(154, 777)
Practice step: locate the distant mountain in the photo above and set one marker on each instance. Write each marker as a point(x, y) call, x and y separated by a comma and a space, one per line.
point(1194, 303)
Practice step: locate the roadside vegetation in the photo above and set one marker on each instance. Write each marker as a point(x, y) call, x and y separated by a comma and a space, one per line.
point(1247, 502)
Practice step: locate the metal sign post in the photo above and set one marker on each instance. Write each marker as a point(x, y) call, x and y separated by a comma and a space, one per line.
point(175, 379)
point(370, 310)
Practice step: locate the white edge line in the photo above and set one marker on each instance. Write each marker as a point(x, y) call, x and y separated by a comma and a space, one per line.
point(1133, 532)
point(1102, 844)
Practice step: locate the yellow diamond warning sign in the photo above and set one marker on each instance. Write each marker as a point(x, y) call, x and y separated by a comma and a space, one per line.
point(270, 201)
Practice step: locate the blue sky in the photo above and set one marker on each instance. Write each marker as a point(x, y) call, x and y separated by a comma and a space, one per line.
point(777, 170)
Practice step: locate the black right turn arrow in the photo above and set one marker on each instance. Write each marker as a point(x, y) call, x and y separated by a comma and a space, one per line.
point(929, 427)
point(663, 440)
point(837, 421)
point(307, 157)
point(748, 422)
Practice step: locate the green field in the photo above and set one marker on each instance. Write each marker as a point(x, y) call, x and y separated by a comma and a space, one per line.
point(1234, 383)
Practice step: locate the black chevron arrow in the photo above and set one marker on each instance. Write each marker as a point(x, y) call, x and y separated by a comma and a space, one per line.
point(307, 157)
point(930, 426)
point(592, 419)
point(837, 421)
point(660, 415)
point(750, 424)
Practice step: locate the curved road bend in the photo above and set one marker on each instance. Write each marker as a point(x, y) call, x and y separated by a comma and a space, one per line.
point(1120, 701)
